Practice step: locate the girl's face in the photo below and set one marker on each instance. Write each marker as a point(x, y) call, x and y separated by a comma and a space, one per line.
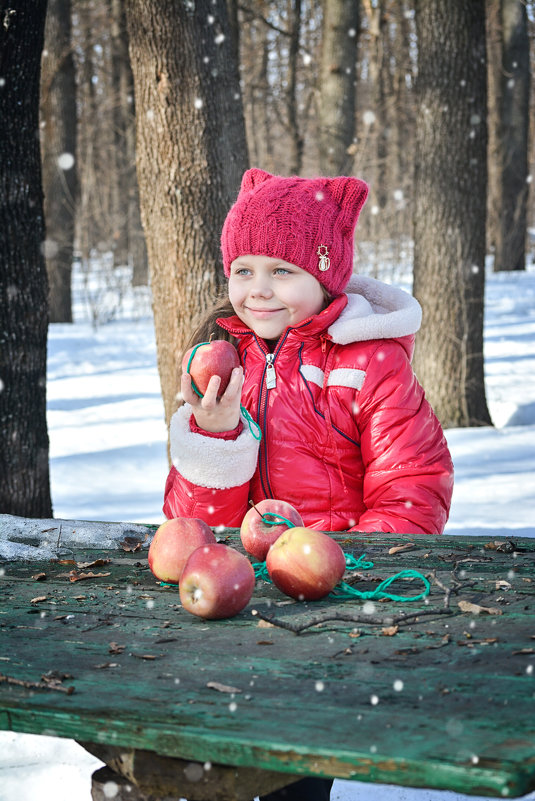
point(269, 294)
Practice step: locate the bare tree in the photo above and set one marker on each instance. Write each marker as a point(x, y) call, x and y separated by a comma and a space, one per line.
point(24, 473)
point(58, 147)
point(509, 91)
point(109, 233)
point(336, 102)
point(191, 153)
point(450, 207)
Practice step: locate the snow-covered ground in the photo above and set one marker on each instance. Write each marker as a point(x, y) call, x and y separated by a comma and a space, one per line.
point(108, 462)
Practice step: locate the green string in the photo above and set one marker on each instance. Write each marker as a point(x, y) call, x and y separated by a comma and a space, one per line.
point(273, 519)
point(254, 428)
point(194, 386)
point(357, 564)
point(344, 591)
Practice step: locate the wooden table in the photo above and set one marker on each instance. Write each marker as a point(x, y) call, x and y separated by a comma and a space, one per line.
point(226, 709)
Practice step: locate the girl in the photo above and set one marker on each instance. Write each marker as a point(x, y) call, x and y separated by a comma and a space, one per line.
point(347, 436)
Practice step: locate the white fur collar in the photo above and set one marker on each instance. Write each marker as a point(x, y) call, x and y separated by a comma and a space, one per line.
point(375, 311)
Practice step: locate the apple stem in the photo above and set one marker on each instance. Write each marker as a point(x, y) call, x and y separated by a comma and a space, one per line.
point(252, 503)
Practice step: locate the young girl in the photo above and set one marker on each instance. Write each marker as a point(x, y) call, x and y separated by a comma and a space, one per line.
point(347, 436)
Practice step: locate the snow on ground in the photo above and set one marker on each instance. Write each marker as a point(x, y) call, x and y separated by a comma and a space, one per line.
point(108, 462)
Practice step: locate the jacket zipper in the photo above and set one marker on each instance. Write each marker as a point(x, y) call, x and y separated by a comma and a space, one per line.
point(269, 382)
point(271, 375)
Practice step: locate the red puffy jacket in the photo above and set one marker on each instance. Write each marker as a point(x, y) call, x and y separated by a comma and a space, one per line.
point(348, 437)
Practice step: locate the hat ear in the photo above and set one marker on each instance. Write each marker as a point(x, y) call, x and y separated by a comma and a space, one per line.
point(253, 177)
point(350, 194)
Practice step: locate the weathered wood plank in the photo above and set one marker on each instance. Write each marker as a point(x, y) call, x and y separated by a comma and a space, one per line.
point(447, 701)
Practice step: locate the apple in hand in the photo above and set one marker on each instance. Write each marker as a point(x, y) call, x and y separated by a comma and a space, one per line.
point(173, 543)
point(257, 536)
point(305, 564)
point(217, 582)
point(217, 357)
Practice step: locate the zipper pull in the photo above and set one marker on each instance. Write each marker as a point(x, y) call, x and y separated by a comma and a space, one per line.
point(271, 375)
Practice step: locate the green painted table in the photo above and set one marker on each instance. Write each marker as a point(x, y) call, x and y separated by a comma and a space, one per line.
point(438, 694)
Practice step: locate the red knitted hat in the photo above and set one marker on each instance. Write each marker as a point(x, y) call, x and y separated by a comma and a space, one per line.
point(309, 222)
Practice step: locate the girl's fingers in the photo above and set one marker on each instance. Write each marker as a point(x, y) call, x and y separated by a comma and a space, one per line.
point(234, 386)
point(210, 396)
point(186, 389)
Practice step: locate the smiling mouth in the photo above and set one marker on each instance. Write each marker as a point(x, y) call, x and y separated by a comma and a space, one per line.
point(262, 311)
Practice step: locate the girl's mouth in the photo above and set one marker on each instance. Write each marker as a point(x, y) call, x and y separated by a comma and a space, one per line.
point(262, 312)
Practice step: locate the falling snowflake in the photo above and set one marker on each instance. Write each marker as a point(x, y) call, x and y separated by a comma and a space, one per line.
point(49, 248)
point(110, 789)
point(66, 161)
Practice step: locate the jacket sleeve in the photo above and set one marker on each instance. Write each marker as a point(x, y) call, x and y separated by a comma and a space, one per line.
point(408, 472)
point(210, 476)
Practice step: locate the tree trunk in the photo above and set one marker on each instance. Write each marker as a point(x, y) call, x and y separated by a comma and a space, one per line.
point(24, 473)
point(379, 73)
point(87, 231)
point(296, 140)
point(58, 147)
point(121, 111)
point(509, 90)
point(450, 207)
point(337, 85)
point(191, 153)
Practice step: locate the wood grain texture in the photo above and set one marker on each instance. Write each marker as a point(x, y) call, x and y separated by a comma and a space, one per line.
point(446, 702)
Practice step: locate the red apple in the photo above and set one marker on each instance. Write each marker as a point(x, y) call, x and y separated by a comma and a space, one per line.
point(218, 357)
point(305, 564)
point(217, 582)
point(257, 536)
point(173, 543)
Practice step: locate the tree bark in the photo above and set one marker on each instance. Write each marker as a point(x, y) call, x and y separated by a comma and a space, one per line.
point(58, 147)
point(450, 207)
point(296, 142)
point(191, 154)
point(337, 85)
point(24, 472)
point(509, 92)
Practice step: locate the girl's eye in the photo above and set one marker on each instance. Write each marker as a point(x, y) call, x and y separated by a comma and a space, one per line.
point(242, 271)
point(282, 271)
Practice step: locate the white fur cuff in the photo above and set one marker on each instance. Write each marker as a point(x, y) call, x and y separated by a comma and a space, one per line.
point(209, 461)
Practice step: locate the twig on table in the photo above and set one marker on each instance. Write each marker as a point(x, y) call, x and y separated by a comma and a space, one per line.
point(456, 585)
point(346, 617)
point(37, 685)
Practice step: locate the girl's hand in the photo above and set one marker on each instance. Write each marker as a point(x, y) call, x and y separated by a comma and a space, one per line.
point(213, 414)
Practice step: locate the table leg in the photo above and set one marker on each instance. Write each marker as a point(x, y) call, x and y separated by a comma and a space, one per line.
point(145, 776)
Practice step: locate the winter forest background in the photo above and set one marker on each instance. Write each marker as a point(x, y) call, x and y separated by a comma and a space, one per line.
point(127, 124)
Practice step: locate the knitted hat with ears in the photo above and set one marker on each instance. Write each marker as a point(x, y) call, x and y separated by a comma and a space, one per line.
point(309, 222)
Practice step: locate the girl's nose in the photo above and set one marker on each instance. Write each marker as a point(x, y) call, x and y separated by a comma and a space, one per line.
point(261, 289)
